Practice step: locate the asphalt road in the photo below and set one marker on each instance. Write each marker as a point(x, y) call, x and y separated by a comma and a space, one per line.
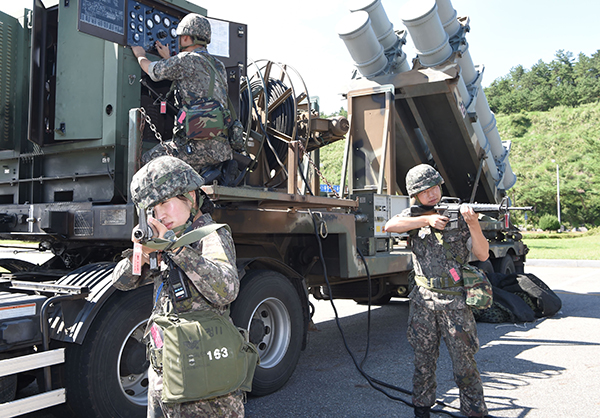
point(545, 369)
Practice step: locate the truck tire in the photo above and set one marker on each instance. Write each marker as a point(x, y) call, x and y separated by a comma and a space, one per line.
point(486, 266)
point(505, 265)
point(270, 307)
point(8, 388)
point(107, 376)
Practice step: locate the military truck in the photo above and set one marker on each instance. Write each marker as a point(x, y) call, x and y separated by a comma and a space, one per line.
point(76, 115)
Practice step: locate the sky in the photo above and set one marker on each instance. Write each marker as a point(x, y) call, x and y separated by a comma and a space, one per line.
point(302, 35)
point(504, 34)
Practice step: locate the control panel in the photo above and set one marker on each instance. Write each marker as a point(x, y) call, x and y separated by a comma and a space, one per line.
point(146, 25)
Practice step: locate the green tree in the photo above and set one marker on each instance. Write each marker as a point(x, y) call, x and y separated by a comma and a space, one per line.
point(587, 77)
point(549, 223)
point(342, 112)
point(564, 81)
point(570, 137)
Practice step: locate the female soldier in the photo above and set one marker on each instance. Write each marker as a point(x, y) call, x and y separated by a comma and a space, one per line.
point(172, 188)
point(437, 303)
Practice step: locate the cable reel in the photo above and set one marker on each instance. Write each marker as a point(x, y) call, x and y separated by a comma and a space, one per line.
point(273, 97)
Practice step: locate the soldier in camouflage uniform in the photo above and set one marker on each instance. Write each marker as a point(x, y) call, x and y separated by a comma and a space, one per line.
point(172, 188)
point(191, 71)
point(437, 303)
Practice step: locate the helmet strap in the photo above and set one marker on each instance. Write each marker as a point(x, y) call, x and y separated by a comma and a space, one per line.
point(195, 42)
point(418, 202)
point(194, 209)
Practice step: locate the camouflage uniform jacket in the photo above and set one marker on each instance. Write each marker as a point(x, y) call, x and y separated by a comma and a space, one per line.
point(209, 264)
point(191, 72)
point(430, 260)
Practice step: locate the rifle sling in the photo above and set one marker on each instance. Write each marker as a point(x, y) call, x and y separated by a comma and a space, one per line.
point(194, 235)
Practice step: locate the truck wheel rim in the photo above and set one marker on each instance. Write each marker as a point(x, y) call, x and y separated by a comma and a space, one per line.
point(275, 318)
point(134, 385)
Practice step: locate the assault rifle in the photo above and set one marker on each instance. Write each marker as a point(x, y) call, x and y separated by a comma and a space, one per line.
point(143, 232)
point(450, 208)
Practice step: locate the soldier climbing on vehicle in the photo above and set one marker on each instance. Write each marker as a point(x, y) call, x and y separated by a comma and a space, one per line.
point(201, 132)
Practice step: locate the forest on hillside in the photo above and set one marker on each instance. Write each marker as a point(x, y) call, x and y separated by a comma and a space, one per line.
point(565, 81)
point(551, 115)
point(567, 137)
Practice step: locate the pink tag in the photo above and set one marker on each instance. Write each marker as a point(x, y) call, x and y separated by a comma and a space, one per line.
point(454, 275)
point(136, 260)
point(163, 107)
point(181, 117)
point(154, 331)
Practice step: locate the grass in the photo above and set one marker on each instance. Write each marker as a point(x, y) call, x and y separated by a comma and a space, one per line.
point(566, 246)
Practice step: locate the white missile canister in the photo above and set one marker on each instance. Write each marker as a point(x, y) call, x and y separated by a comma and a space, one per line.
point(366, 51)
point(468, 71)
point(383, 28)
point(448, 17)
point(425, 28)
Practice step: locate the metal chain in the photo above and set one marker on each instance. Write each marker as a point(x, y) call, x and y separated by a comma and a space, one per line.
point(317, 169)
point(146, 119)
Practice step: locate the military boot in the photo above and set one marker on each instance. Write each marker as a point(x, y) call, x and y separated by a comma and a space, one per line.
point(422, 411)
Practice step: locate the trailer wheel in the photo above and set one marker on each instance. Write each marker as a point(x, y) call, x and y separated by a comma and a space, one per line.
point(505, 265)
point(107, 376)
point(269, 306)
point(486, 266)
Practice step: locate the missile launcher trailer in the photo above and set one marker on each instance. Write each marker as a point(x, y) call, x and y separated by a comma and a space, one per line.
point(72, 131)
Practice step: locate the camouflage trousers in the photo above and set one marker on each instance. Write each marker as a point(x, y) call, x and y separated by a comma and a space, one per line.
point(228, 406)
point(426, 327)
point(199, 153)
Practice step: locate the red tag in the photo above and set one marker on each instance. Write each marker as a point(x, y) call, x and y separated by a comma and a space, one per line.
point(136, 260)
point(156, 337)
point(454, 275)
point(181, 117)
point(163, 107)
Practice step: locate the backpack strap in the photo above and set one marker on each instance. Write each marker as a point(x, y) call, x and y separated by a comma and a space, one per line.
point(448, 253)
point(214, 71)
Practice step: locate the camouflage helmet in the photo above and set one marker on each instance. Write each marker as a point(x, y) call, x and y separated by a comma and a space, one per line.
point(422, 177)
point(196, 25)
point(161, 179)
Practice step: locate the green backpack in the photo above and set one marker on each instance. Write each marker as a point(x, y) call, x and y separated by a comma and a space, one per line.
point(208, 119)
point(204, 356)
point(479, 294)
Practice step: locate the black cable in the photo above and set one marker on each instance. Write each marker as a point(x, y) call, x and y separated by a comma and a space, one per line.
point(304, 177)
point(281, 119)
point(372, 381)
point(369, 291)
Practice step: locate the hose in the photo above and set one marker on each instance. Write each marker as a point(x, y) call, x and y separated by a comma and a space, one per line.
point(374, 383)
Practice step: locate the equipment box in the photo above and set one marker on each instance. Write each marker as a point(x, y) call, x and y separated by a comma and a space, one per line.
point(19, 320)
